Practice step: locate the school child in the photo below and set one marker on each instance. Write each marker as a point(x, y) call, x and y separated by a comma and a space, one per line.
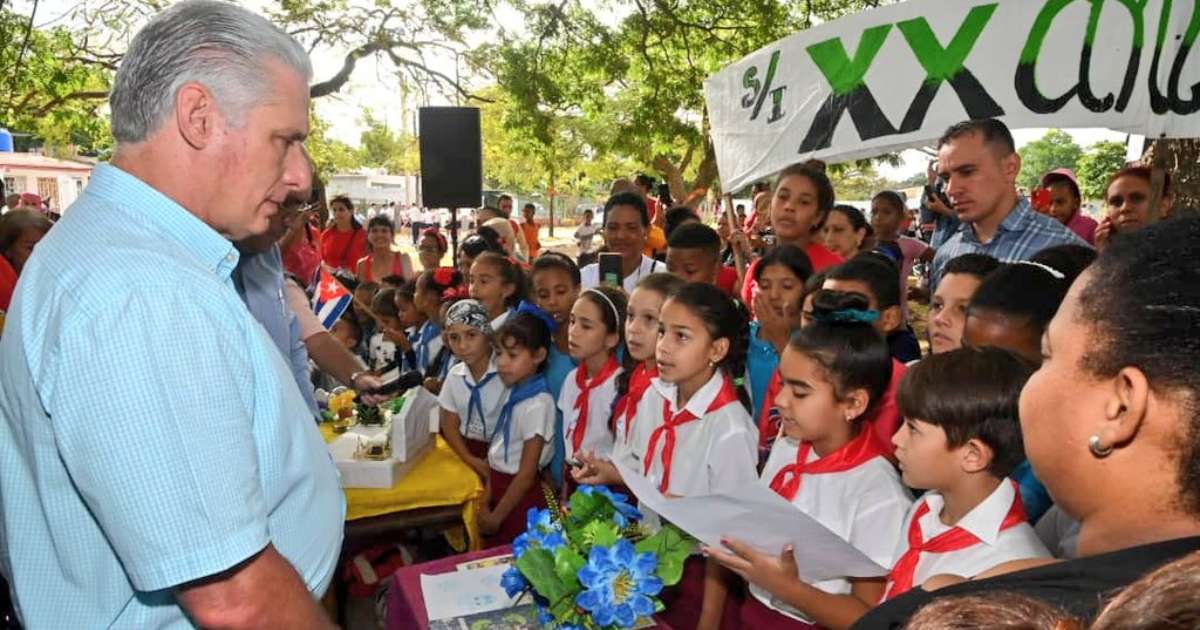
point(1011, 309)
point(364, 296)
point(694, 254)
point(781, 275)
point(828, 464)
point(692, 434)
point(382, 346)
point(432, 287)
point(472, 395)
point(888, 211)
point(948, 307)
point(411, 320)
point(1014, 304)
point(498, 283)
point(960, 442)
point(641, 337)
point(961, 438)
point(554, 287)
point(525, 426)
point(590, 390)
point(874, 278)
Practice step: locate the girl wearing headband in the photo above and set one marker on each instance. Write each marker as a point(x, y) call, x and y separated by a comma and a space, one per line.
point(518, 451)
point(827, 463)
point(588, 393)
point(472, 394)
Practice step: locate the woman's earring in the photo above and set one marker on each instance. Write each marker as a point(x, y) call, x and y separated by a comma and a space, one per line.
point(1099, 451)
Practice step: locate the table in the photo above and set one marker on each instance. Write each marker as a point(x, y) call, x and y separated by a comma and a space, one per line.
point(439, 487)
point(406, 602)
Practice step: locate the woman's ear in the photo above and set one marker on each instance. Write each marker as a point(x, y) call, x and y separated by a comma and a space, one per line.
point(1125, 408)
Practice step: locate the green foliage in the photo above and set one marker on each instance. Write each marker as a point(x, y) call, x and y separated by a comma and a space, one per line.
point(380, 147)
point(1096, 165)
point(538, 566)
point(672, 548)
point(1054, 150)
point(49, 90)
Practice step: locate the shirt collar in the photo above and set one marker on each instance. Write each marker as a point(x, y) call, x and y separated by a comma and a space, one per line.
point(1016, 220)
point(984, 520)
point(491, 368)
point(699, 402)
point(147, 205)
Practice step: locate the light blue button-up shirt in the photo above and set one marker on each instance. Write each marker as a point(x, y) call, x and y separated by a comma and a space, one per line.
point(259, 281)
point(150, 432)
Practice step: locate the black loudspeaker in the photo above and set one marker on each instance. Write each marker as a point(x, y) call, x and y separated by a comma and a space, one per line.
point(451, 157)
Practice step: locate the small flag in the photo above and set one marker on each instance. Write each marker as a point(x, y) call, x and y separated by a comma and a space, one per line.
point(330, 299)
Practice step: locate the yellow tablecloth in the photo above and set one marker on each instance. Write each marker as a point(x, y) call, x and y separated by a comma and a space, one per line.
point(438, 480)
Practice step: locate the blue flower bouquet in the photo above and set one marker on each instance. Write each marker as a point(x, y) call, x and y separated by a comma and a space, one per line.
point(591, 565)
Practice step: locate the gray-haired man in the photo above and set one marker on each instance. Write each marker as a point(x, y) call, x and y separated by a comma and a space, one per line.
point(159, 467)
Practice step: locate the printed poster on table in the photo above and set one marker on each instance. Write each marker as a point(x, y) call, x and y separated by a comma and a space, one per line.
point(897, 76)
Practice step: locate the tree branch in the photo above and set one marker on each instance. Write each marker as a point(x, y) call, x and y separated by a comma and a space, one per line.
point(49, 105)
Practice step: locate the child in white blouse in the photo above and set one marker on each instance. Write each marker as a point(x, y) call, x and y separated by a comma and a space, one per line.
point(960, 440)
point(472, 395)
point(518, 452)
point(829, 465)
point(693, 434)
point(590, 390)
point(499, 284)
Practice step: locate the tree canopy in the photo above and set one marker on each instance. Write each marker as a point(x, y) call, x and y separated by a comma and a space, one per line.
point(1096, 165)
point(1056, 149)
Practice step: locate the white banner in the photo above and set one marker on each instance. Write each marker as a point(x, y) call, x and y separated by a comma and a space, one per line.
point(897, 76)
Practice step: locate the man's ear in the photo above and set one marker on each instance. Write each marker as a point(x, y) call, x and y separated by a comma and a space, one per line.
point(976, 456)
point(196, 115)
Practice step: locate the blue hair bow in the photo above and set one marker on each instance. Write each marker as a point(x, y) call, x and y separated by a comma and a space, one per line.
point(848, 315)
point(536, 311)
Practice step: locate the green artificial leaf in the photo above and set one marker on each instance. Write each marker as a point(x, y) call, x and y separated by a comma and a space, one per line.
point(601, 534)
point(672, 547)
point(567, 563)
point(658, 605)
point(587, 507)
point(537, 565)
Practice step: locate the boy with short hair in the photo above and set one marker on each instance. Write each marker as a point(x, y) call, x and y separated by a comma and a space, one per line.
point(960, 441)
point(585, 235)
point(874, 276)
point(694, 254)
point(382, 350)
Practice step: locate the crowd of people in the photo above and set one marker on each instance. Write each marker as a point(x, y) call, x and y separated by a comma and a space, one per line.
point(1029, 461)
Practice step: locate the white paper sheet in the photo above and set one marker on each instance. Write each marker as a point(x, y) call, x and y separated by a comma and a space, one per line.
point(460, 593)
point(757, 516)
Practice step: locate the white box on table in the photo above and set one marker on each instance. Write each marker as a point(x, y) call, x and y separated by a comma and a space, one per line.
point(411, 440)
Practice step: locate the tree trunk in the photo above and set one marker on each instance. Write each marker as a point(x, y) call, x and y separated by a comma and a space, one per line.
point(1181, 158)
point(682, 193)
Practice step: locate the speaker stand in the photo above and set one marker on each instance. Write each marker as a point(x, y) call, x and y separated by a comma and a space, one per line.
point(454, 235)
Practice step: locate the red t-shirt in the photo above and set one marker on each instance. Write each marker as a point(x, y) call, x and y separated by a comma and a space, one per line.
point(8, 283)
point(343, 249)
point(726, 279)
point(820, 257)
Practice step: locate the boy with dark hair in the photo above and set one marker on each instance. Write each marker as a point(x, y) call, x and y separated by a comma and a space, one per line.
point(960, 441)
point(874, 276)
point(694, 254)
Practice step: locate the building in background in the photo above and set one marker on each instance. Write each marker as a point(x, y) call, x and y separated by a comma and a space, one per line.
point(58, 182)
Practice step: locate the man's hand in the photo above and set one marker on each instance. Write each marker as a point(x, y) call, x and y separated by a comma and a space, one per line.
point(363, 384)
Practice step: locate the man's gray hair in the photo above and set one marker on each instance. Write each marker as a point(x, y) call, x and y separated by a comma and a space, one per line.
point(211, 42)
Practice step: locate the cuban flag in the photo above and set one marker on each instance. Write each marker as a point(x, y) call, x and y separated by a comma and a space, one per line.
point(330, 299)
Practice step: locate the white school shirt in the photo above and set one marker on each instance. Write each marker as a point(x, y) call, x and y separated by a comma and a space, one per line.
point(589, 275)
point(456, 396)
point(429, 351)
point(716, 453)
point(381, 351)
point(997, 547)
point(865, 506)
point(531, 417)
point(598, 438)
point(501, 318)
